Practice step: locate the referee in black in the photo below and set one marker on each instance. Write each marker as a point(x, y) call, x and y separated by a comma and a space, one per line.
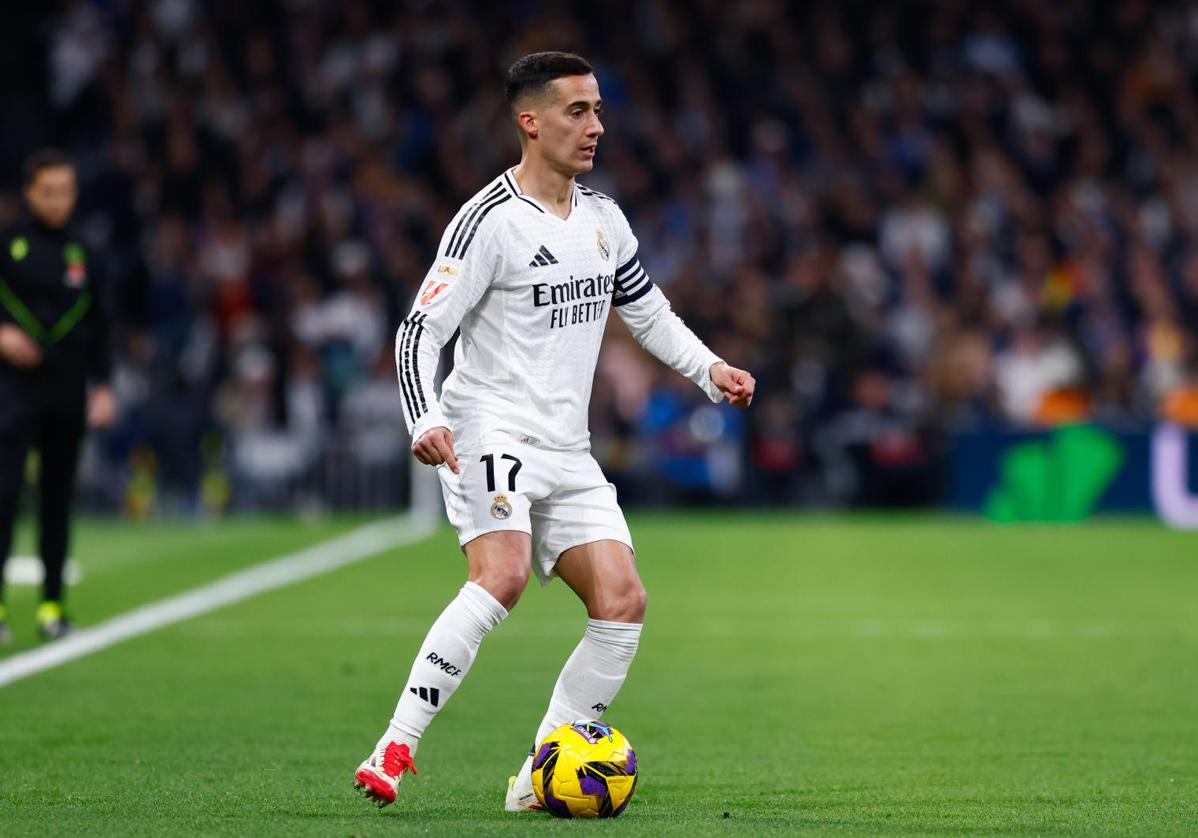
point(54, 368)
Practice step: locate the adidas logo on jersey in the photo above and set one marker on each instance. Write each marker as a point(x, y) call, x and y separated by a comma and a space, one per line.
point(543, 257)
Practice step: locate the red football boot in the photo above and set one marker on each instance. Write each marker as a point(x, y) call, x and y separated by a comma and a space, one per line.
point(379, 775)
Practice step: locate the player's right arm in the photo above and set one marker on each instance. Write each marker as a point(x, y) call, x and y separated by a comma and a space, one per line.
point(464, 269)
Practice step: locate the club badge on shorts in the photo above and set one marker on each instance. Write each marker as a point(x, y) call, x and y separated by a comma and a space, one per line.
point(500, 508)
point(604, 250)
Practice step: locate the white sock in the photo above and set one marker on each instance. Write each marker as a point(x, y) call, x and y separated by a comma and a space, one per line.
point(443, 662)
point(589, 680)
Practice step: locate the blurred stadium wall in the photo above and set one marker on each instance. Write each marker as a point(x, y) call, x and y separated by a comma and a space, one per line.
point(943, 235)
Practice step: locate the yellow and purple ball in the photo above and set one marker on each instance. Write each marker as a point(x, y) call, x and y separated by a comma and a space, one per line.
point(585, 770)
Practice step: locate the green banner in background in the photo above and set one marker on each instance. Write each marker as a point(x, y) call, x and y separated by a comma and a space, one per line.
point(1061, 478)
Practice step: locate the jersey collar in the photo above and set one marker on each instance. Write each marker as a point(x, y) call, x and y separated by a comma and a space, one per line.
point(509, 180)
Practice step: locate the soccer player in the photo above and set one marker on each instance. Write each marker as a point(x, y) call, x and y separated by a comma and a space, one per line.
point(529, 269)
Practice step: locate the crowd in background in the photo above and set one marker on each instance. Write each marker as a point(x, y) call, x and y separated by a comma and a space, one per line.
point(907, 220)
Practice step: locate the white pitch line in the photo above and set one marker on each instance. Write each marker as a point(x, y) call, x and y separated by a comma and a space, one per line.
point(351, 547)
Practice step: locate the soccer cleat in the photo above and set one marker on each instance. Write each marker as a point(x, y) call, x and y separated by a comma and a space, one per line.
point(520, 801)
point(52, 623)
point(379, 775)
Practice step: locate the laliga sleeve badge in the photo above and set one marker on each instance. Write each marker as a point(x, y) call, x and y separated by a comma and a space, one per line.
point(604, 250)
point(431, 289)
point(500, 508)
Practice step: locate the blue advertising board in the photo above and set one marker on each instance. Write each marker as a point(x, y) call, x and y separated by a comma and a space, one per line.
point(1068, 473)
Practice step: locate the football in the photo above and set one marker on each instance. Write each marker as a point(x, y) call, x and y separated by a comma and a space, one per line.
point(585, 770)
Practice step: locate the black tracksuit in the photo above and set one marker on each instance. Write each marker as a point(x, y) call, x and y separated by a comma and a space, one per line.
point(51, 287)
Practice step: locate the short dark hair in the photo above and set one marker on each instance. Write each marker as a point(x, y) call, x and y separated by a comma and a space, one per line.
point(46, 158)
point(532, 73)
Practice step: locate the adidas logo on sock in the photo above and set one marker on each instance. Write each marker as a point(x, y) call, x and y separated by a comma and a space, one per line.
point(543, 257)
point(430, 694)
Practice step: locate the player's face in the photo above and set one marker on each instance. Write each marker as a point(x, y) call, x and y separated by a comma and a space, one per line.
point(569, 124)
point(52, 195)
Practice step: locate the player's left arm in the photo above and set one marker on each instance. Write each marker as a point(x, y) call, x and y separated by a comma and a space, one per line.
point(647, 314)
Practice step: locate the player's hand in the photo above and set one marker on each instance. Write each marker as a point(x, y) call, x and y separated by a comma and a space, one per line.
point(18, 348)
point(736, 384)
point(101, 407)
point(434, 447)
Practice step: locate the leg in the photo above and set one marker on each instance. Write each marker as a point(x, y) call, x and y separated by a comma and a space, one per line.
point(499, 564)
point(16, 435)
point(604, 575)
point(58, 438)
point(494, 528)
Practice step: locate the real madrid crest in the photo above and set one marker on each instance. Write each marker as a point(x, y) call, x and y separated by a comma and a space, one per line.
point(500, 508)
point(604, 250)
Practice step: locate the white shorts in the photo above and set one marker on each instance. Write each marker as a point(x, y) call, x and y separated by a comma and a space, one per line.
point(561, 498)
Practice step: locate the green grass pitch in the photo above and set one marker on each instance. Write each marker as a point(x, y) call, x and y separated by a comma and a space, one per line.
point(855, 675)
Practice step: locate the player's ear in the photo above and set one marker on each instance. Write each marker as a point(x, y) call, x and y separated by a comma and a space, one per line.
point(527, 120)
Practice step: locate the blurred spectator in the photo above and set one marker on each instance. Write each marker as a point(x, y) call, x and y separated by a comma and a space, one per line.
point(1033, 372)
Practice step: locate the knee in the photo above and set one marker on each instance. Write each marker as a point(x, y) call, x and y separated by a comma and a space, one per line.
point(499, 562)
point(625, 606)
point(505, 583)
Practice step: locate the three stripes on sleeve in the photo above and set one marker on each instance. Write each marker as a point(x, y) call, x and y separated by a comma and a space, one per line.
point(411, 331)
point(406, 347)
point(469, 223)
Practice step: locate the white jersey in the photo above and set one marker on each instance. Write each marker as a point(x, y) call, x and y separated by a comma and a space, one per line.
point(531, 293)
